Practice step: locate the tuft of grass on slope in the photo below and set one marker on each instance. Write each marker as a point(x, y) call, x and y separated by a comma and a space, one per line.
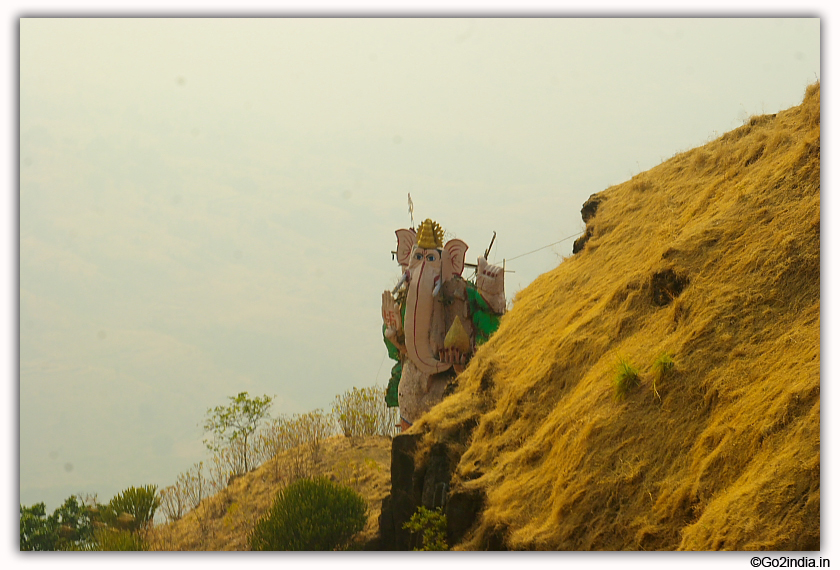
point(626, 378)
point(662, 366)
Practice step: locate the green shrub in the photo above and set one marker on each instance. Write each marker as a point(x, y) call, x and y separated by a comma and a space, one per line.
point(433, 526)
point(111, 539)
point(132, 509)
point(311, 514)
point(626, 378)
point(662, 366)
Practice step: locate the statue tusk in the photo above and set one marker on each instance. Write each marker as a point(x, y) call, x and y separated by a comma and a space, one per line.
point(437, 288)
point(403, 279)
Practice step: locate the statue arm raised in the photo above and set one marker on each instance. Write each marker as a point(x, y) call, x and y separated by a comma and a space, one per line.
point(490, 282)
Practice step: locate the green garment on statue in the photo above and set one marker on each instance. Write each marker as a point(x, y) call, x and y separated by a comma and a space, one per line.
point(391, 394)
point(484, 319)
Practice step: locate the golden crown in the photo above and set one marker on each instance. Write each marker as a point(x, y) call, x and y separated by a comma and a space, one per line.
point(429, 235)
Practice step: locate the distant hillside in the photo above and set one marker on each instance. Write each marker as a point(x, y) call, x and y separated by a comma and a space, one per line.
point(225, 520)
point(713, 258)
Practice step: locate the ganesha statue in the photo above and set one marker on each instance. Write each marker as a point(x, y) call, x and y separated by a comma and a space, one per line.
point(434, 319)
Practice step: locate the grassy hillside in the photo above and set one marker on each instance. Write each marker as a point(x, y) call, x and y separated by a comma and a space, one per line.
point(713, 258)
point(224, 521)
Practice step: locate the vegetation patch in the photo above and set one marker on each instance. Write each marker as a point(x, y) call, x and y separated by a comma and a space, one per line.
point(85, 524)
point(232, 425)
point(430, 526)
point(626, 378)
point(311, 514)
point(360, 413)
point(662, 366)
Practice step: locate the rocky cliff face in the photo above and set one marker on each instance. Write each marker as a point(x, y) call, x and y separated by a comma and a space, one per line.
point(710, 261)
point(425, 484)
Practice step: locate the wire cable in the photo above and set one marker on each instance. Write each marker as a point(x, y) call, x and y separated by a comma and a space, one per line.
point(543, 247)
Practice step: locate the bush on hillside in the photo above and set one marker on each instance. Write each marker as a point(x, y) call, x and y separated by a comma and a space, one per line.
point(431, 526)
point(364, 412)
point(186, 494)
point(225, 466)
point(303, 435)
point(111, 539)
point(311, 514)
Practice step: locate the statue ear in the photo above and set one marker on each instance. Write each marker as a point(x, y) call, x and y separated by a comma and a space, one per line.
point(457, 251)
point(405, 241)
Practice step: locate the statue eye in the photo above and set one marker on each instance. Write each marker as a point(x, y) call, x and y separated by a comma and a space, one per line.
point(430, 257)
point(418, 256)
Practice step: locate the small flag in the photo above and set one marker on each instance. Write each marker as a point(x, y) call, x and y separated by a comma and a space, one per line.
point(411, 209)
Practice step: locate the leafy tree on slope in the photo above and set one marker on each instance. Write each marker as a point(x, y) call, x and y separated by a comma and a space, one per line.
point(235, 423)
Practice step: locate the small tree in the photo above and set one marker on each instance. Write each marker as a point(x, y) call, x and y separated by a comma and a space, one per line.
point(232, 425)
point(195, 484)
point(173, 501)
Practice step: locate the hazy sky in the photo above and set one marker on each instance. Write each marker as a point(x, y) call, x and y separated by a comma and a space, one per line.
point(208, 205)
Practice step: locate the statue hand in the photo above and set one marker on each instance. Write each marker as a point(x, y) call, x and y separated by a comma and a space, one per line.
point(391, 316)
point(455, 357)
point(490, 281)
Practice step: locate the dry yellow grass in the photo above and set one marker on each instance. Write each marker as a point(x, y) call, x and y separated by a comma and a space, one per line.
point(728, 455)
point(224, 521)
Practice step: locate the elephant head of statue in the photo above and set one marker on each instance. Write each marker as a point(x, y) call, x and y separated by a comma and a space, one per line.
point(427, 264)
